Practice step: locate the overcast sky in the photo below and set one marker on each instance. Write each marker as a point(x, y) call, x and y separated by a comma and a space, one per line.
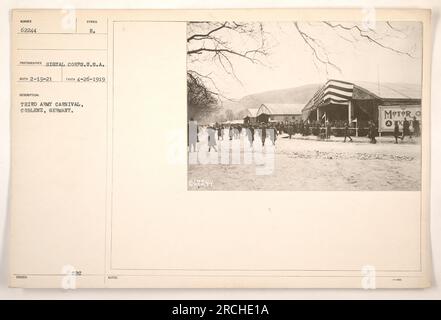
point(290, 62)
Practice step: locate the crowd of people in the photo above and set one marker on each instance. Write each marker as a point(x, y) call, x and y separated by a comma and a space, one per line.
point(410, 128)
point(234, 131)
point(322, 129)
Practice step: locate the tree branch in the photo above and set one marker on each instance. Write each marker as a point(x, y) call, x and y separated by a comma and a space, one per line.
point(364, 35)
point(313, 44)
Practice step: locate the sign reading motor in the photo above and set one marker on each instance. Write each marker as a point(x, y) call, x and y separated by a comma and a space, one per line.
point(387, 115)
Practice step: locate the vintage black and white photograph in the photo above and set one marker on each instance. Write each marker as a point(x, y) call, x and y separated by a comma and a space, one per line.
point(296, 105)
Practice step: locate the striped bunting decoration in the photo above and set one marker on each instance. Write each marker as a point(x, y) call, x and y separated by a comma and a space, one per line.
point(334, 91)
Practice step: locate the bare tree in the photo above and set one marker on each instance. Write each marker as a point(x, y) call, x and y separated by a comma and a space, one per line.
point(241, 114)
point(229, 114)
point(200, 100)
point(221, 43)
point(351, 32)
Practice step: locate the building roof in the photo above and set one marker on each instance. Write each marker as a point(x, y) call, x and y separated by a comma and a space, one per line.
point(281, 108)
point(340, 92)
point(252, 112)
point(391, 90)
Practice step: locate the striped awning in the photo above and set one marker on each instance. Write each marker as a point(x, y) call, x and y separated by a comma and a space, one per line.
point(338, 92)
point(333, 92)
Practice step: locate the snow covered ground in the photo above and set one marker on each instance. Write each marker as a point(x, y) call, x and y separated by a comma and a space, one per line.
point(305, 163)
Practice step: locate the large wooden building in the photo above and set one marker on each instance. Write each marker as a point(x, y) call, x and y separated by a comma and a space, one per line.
point(286, 112)
point(251, 116)
point(364, 101)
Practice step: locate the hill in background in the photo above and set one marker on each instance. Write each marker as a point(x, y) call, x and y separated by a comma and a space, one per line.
point(300, 94)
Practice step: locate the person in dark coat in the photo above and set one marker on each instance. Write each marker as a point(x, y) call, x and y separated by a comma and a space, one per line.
point(263, 134)
point(396, 131)
point(416, 127)
point(219, 133)
point(328, 129)
point(406, 130)
point(346, 131)
point(290, 130)
point(280, 128)
point(372, 132)
point(250, 135)
point(230, 132)
point(306, 129)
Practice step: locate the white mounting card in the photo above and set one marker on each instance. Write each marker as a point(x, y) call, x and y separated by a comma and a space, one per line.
point(276, 148)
